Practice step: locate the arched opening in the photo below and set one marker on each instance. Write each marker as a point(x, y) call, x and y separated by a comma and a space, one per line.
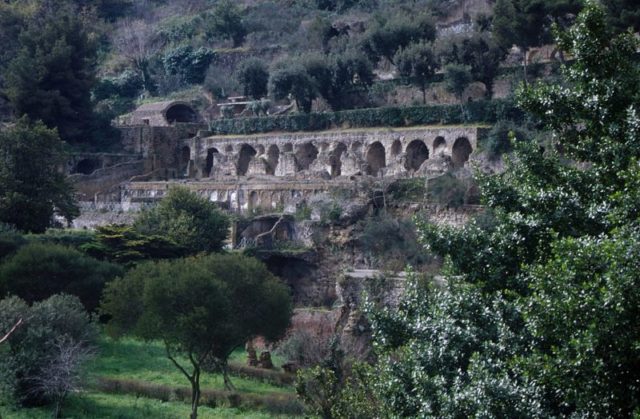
point(396, 148)
point(375, 158)
point(253, 200)
point(288, 148)
point(180, 113)
point(185, 157)
point(439, 145)
point(417, 153)
point(305, 155)
point(273, 155)
point(211, 153)
point(87, 166)
point(246, 154)
point(334, 158)
point(460, 151)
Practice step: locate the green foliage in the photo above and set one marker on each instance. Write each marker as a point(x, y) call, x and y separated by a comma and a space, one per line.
point(498, 140)
point(193, 223)
point(124, 245)
point(51, 76)
point(32, 189)
point(225, 21)
point(456, 79)
point(480, 111)
point(10, 240)
point(417, 63)
point(253, 75)
point(479, 50)
point(59, 320)
point(37, 271)
point(392, 243)
point(188, 64)
point(292, 79)
point(201, 308)
point(451, 191)
point(385, 37)
point(536, 316)
point(128, 84)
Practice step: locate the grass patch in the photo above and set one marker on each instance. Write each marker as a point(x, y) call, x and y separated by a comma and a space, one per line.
point(130, 359)
point(94, 405)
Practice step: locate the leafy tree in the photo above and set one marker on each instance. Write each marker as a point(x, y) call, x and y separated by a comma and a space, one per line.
point(623, 14)
point(225, 21)
point(32, 189)
point(124, 245)
point(292, 79)
point(456, 79)
point(417, 63)
point(201, 308)
point(37, 271)
point(536, 317)
point(33, 350)
point(193, 223)
point(189, 64)
point(253, 75)
point(478, 50)
point(138, 42)
point(385, 37)
point(51, 76)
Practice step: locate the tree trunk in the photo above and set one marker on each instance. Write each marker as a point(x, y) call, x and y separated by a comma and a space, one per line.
point(424, 95)
point(195, 395)
point(524, 64)
point(225, 375)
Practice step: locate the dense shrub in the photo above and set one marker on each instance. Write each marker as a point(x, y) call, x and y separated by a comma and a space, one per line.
point(47, 326)
point(65, 237)
point(474, 112)
point(188, 64)
point(37, 271)
point(192, 222)
point(10, 240)
point(450, 191)
point(498, 139)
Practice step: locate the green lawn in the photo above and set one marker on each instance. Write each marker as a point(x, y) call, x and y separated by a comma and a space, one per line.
point(98, 406)
point(136, 360)
point(130, 359)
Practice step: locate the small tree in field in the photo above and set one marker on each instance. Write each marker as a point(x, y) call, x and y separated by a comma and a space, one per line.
point(417, 63)
point(202, 309)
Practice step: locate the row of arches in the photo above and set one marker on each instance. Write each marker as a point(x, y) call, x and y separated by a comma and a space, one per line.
point(375, 156)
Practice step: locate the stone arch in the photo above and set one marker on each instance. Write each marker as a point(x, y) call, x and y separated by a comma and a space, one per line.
point(305, 155)
point(185, 158)
point(273, 156)
point(180, 113)
point(228, 149)
point(287, 148)
point(439, 145)
point(417, 153)
point(208, 167)
point(253, 200)
point(460, 151)
point(246, 154)
point(356, 147)
point(396, 148)
point(87, 166)
point(375, 158)
point(335, 159)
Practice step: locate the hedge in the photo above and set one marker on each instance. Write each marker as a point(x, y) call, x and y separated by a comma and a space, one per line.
point(473, 112)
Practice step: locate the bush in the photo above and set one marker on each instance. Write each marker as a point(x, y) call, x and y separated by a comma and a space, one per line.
point(192, 222)
point(498, 141)
point(64, 237)
point(188, 64)
point(10, 240)
point(47, 326)
point(448, 190)
point(476, 112)
point(37, 271)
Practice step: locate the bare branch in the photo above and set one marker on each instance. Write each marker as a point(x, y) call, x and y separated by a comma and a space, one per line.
point(13, 329)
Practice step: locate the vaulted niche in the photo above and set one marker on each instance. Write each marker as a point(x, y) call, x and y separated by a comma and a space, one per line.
point(180, 113)
point(460, 151)
point(273, 156)
point(375, 159)
point(212, 153)
point(417, 153)
point(305, 155)
point(246, 154)
point(335, 159)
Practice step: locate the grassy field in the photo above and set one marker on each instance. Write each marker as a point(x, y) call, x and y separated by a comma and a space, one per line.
point(129, 359)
